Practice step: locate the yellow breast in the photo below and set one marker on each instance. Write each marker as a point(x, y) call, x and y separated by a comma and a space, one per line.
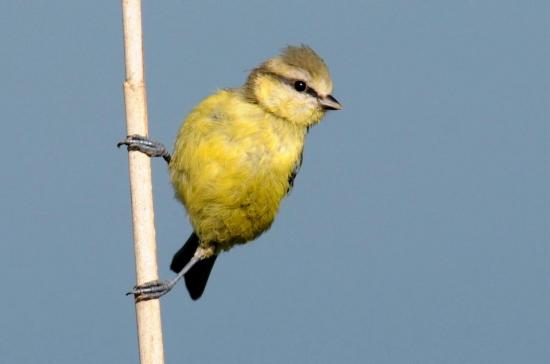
point(231, 166)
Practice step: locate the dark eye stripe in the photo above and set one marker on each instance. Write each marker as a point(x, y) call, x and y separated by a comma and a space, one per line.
point(312, 92)
point(290, 82)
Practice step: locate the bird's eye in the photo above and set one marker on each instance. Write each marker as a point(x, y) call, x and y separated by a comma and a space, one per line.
point(300, 86)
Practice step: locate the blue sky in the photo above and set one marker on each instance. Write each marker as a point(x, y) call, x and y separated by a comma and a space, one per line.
point(418, 228)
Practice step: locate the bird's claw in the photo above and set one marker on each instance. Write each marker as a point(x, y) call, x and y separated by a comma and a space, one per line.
point(145, 145)
point(150, 290)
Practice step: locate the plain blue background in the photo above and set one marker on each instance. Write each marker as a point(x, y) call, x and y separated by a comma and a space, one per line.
point(418, 228)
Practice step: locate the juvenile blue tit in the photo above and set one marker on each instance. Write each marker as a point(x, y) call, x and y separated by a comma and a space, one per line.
point(236, 157)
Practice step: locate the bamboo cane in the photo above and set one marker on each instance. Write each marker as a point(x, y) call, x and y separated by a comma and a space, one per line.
point(148, 317)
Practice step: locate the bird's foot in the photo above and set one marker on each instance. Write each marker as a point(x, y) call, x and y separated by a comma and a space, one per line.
point(147, 146)
point(151, 290)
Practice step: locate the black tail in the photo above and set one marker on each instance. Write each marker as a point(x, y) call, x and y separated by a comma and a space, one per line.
point(196, 278)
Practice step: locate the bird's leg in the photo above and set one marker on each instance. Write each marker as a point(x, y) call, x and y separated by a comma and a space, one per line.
point(156, 289)
point(147, 146)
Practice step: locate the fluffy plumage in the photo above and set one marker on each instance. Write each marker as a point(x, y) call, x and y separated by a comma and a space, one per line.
point(236, 154)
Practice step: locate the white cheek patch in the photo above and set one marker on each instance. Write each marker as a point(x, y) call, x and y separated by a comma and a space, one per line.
point(306, 105)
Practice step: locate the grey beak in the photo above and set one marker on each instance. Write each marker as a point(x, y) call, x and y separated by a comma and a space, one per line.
point(330, 103)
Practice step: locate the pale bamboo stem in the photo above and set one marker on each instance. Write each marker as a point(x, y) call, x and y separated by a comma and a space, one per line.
point(147, 312)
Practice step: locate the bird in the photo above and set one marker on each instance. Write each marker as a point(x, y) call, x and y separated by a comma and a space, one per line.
point(235, 158)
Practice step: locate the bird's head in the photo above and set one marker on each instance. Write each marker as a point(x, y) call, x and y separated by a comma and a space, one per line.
point(295, 85)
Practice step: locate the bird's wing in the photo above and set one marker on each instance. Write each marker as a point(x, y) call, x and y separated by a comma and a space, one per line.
point(295, 171)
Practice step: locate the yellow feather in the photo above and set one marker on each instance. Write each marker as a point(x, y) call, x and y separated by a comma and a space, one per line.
point(230, 167)
point(236, 156)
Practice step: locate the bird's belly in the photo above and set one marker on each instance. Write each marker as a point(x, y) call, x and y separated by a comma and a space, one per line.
point(232, 177)
point(235, 212)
